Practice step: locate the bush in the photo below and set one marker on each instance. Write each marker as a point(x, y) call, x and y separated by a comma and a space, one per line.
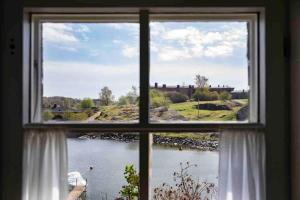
point(158, 99)
point(87, 103)
point(131, 190)
point(177, 97)
point(203, 94)
point(47, 115)
point(186, 187)
point(225, 95)
point(123, 100)
point(75, 116)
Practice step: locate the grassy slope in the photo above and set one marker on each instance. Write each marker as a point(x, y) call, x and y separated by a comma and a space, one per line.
point(187, 110)
point(121, 113)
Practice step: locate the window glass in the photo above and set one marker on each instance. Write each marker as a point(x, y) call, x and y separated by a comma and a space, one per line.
point(101, 162)
point(199, 71)
point(90, 72)
point(190, 166)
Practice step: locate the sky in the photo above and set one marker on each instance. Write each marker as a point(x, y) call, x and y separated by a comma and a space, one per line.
point(81, 58)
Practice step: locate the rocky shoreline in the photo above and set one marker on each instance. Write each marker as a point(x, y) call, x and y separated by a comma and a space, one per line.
point(176, 142)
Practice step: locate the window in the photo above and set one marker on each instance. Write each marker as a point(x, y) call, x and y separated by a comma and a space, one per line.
point(176, 79)
point(201, 69)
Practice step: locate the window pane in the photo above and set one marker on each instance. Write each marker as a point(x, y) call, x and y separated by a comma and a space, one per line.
point(199, 71)
point(90, 72)
point(98, 161)
point(184, 166)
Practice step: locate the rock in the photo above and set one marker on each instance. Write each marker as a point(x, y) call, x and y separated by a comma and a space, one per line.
point(243, 113)
point(160, 109)
point(211, 106)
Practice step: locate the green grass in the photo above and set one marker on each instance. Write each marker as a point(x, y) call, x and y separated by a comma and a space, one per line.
point(188, 110)
point(119, 113)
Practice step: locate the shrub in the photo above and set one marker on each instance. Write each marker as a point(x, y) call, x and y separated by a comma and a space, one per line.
point(214, 95)
point(47, 115)
point(123, 100)
point(225, 95)
point(186, 187)
point(203, 94)
point(87, 103)
point(131, 190)
point(177, 97)
point(158, 99)
point(75, 116)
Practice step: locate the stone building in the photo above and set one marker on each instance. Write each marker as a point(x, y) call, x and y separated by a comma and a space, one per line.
point(189, 90)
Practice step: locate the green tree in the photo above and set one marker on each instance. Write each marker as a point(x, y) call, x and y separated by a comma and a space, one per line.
point(131, 190)
point(201, 82)
point(225, 95)
point(132, 96)
point(87, 103)
point(158, 99)
point(105, 96)
point(47, 115)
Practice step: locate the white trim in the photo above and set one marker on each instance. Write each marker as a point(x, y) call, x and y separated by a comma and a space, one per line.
point(223, 14)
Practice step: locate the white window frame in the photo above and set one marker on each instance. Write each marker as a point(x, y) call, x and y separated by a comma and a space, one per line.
point(256, 113)
point(144, 127)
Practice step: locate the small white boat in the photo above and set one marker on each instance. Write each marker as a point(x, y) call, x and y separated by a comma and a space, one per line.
point(75, 179)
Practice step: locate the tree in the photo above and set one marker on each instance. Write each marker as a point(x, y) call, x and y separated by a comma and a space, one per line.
point(105, 96)
point(87, 103)
point(201, 81)
point(131, 190)
point(130, 98)
point(158, 99)
point(225, 95)
point(47, 115)
point(132, 95)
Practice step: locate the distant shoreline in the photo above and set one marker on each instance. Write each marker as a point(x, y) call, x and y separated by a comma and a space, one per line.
point(175, 142)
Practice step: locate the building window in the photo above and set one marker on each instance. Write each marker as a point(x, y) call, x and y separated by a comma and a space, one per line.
point(155, 84)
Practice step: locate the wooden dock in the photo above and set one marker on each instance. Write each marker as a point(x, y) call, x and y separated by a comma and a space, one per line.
point(76, 192)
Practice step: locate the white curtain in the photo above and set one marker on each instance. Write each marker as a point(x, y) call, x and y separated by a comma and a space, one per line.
point(45, 166)
point(242, 165)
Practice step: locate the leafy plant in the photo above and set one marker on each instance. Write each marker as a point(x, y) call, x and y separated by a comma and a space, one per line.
point(131, 190)
point(47, 115)
point(203, 94)
point(177, 97)
point(87, 103)
point(158, 99)
point(225, 95)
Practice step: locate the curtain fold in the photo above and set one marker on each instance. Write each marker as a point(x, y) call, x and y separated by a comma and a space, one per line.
point(45, 165)
point(242, 165)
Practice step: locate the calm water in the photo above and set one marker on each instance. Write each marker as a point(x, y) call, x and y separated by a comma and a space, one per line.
point(109, 158)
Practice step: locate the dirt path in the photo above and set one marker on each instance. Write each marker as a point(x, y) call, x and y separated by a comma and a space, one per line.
point(94, 116)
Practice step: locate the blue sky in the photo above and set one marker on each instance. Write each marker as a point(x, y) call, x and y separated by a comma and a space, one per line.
point(81, 58)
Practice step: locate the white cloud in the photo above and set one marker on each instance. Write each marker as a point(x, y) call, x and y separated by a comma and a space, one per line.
point(84, 79)
point(192, 42)
point(64, 36)
point(59, 33)
point(130, 51)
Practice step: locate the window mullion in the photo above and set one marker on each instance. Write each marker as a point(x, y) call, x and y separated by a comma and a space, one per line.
point(144, 67)
point(145, 164)
point(145, 137)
